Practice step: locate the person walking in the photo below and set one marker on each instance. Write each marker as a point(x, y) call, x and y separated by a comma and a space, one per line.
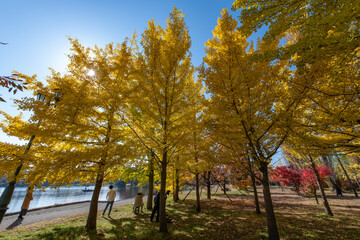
point(110, 197)
point(26, 203)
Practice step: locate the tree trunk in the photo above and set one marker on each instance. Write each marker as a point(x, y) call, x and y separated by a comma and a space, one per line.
point(347, 176)
point(91, 220)
point(357, 180)
point(163, 224)
point(208, 185)
point(332, 176)
point(217, 189)
point(198, 207)
point(322, 192)
point(256, 198)
point(270, 215)
point(335, 185)
point(151, 181)
point(9, 190)
point(177, 187)
point(253, 181)
point(188, 193)
point(315, 195)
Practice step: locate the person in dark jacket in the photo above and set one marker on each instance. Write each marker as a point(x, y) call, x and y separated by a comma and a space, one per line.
point(157, 206)
point(338, 191)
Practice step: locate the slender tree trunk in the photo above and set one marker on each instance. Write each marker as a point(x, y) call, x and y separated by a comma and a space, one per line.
point(322, 192)
point(315, 195)
point(208, 185)
point(253, 181)
point(217, 188)
point(332, 176)
point(225, 192)
point(256, 198)
point(198, 207)
point(163, 224)
point(357, 180)
point(91, 220)
point(188, 193)
point(197, 185)
point(335, 185)
point(347, 176)
point(177, 187)
point(270, 215)
point(151, 181)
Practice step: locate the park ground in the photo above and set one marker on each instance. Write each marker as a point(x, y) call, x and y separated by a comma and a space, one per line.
point(298, 217)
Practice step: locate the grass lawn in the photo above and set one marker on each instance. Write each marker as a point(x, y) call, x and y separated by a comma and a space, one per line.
point(297, 218)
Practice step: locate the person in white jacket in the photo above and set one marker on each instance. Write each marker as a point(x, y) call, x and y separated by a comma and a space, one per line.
point(110, 197)
point(138, 204)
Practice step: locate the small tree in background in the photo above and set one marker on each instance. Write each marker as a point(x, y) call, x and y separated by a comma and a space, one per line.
point(309, 182)
point(287, 176)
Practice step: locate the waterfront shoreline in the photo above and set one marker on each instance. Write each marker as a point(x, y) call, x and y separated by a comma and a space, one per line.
point(53, 212)
point(52, 206)
point(63, 195)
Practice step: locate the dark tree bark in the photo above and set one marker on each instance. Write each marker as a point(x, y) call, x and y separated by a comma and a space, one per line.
point(91, 220)
point(151, 181)
point(270, 215)
point(253, 181)
point(198, 207)
point(163, 224)
point(208, 185)
point(347, 176)
point(357, 180)
point(315, 196)
point(224, 187)
point(332, 176)
point(188, 193)
point(177, 187)
point(217, 189)
point(256, 198)
point(336, 186)
point(322, 192)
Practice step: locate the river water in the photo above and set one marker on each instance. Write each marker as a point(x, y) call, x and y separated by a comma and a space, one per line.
point(66, 195)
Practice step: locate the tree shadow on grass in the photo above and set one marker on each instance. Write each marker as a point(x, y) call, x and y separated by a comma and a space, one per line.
point(352, 207)
point(289, 207)
point(69, 233)
point(138, 227)
point(343, 197)
point(225, 221)
point(185, 224)
point(316, 226)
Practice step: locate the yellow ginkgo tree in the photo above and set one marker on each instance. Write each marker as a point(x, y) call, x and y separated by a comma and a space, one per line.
point(252, 100)
point(82, 137)
point(161, 106)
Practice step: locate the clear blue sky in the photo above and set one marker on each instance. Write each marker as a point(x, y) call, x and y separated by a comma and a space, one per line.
point(36, 30)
